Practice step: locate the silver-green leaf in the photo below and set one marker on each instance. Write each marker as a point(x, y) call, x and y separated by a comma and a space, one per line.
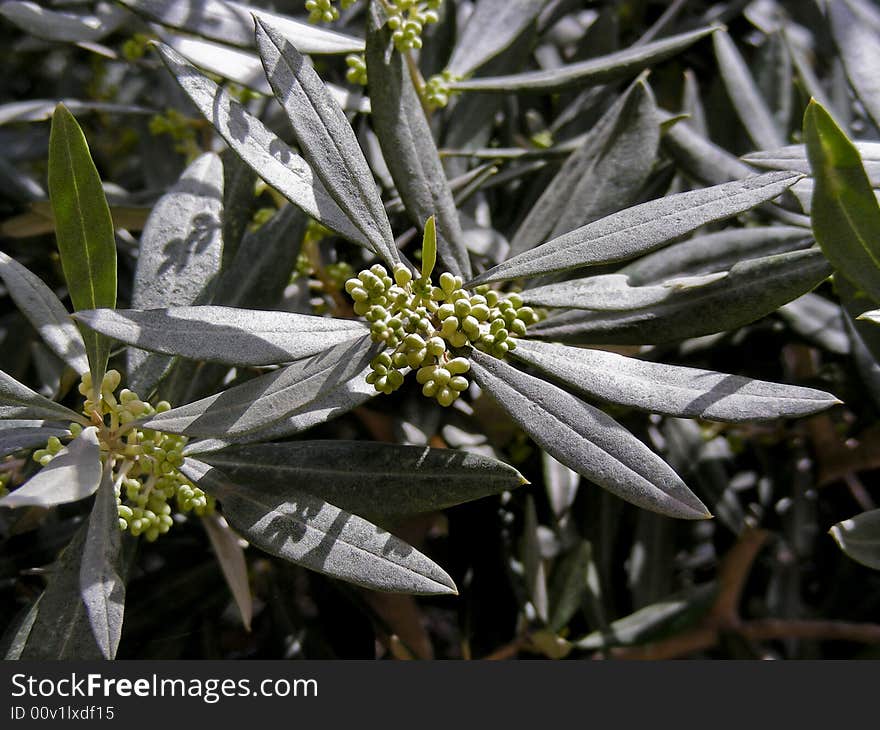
point(326, 139)
point(642, 228)
point(45, 312)
point(586, 440)
point(270, 157)
point(670, 389)
point(73, 474)
point(380, 482)
point(180, 251)
point(224, 334)
point(293, 525)
point(101, 586)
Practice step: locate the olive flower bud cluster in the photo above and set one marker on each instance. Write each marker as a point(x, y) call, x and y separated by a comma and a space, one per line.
point(357, 69)
point(145, 462)
point(422, 327)
point(437, 91)
point(407, 18)
point(323, 11)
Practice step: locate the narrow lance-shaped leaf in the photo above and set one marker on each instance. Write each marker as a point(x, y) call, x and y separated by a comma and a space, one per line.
point(101, 586)
point(233, 23)
point(230, 555)
point(408, 145)
point(586, 440)
point(73, 474)
point(794, 157)
point(380, 482)
point(303, 529)
point(267, 155)
point(45, 312)
point(244, 68)
point(845, 213)
point(326, 139)
point(224, 334)
point(179, 255)
point(750, 290)
point(642, 228)
point(859, 537)
point(859, 48)
point(19, 401)
point(602, 175)
point(83, 228)
point(669, 389)
point(66, 27)
point(592, 72)
point(490, 29)
point(259, 403)
point(261, 268)
point(712, 252)
point(750, 106)
point(15, 439)
point(60, 628)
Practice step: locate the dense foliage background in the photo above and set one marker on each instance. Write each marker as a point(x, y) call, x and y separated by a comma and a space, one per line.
point(558, 568)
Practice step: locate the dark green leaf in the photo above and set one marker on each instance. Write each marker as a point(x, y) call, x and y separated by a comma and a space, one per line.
point(651, 620)
point(845, 213)
point(586, 440)
point(303, 529)
point(642, 228)
point(669, 389)
point(83, 228)
point(224, 334)
point(263, 263)
point(326, 139)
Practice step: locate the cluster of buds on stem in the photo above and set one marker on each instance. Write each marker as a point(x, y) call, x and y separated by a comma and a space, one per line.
point(428, 328)
point(146, 463)
point(407, 18)
point(323, 11)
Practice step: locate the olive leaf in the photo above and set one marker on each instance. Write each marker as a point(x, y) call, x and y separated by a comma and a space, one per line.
point(83, 227)
point(326, 139)
point(380, 482)
point(675, 391)
point(73, 474)
point(224, 334)
point(303, 529)
point(642, 228)
point(586, 440)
